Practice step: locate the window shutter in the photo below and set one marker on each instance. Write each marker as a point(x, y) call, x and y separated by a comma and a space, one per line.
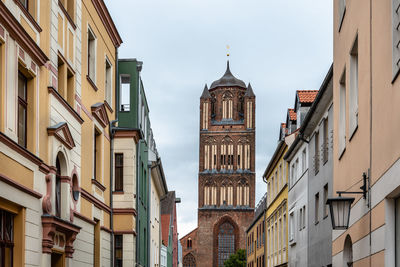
point(396, 36)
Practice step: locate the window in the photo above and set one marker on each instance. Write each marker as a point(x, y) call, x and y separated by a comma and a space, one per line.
point(91, 55)
point(97, 244)
point(69, 6)
point(396, 38)
point(316, 212)
point(118, 250)
point(97, 155)
point(226, 242)
point(316, 152)
point(24, 3)
point(66, 82)
point(304, 160)
point(125, 98)
point(291, 226)
point(249, 114)
point(353, 94)
point(325, 141)
point(189, 261)
point(6, 238)
point(205, 115)
point(325, 199)
point(301, 219)
point(189, 243)
point(108, 85)
point(304, 217)
point(342, 12)
point(22, 108)
point(58, 188)
point(119, 172)
point(342, 114)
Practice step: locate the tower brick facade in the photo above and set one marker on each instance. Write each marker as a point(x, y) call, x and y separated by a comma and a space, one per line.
point(226, 171)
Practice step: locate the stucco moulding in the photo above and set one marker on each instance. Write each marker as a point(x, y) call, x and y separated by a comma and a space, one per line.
point(62, 133)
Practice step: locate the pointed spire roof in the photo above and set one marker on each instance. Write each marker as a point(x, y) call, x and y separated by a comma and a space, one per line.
point(206, 93)
point(228, 80)
point(249, 91)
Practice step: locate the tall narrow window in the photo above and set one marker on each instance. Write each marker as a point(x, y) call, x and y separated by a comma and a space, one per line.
point(316, 211)
point(342, 11)
point(97, 244)
point(58, 188)
point(91, 55)
point(304, 217)
point(22, 108)
point(230, 157)
point(214, 157)
point(205, 115)
point(325, 141)
point(108, 84)
point(249, 114)
point(223, 156)
point(6, 238)
point(97, 155)
point(125, 93)
point(207, 157)
point(325, 199)
point(118, 250)
point(342, 114)
point(240, 156)
point(291, 226)
point(304, 160)
point(226, 242)
point(119, 172)
point(353, 94)
point(316, 152)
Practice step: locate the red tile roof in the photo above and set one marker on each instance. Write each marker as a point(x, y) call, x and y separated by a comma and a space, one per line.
point(292, 114)
point(307, 96)
point(165, 220)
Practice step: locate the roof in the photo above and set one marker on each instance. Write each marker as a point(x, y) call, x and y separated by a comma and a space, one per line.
point(206, 93)
point(190, 233)
point(292, 114)
point(228, 80)
point(249, 91)
point(165, 221)
point(306, 96)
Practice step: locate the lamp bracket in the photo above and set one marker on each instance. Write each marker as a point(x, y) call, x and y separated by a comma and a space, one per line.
point(364, 188)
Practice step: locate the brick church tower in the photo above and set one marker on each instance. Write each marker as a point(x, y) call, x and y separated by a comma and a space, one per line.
point(226, 173)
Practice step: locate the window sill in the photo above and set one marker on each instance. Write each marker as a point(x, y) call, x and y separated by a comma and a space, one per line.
point(326, 216)
point(28, 15)
point(91, 82)
point(395, 76)
point(118, 192)
point(353, 133)
point(71, 21)
point(99, 185)
point(342, 153)
point(342, 19)
point(316, 223)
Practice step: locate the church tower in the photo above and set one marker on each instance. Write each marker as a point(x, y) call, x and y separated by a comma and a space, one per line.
point(226, 169)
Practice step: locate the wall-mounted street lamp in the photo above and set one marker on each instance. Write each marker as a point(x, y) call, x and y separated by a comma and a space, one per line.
point(340, 206)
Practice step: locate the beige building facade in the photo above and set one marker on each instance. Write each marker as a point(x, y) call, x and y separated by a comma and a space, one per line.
point(366, 126)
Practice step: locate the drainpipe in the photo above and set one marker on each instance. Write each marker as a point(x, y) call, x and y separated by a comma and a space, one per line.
point(112, 130)
point(137, 201)
point(370, 133)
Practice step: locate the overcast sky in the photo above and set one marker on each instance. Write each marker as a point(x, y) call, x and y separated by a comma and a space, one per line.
point(279, 46)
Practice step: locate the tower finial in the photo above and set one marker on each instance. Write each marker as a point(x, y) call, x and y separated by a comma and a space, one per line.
point(227, 51)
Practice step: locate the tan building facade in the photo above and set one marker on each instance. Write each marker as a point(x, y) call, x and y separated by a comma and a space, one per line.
point(57, 96)
point(366, 125)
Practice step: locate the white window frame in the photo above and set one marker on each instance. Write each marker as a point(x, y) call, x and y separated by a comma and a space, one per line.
point(353, 89)
point(108, 86)
point(91, 32)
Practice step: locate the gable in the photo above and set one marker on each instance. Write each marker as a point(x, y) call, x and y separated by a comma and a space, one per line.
point(100, 114)
point(62, 133)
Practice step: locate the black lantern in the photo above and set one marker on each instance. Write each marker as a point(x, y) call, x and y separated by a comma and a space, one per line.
point(340, 211)
point(340, 206)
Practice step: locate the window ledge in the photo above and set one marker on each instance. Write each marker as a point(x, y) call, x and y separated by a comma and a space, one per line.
point(99, 185)
point(353, 133)
point(71, 21)
point(342, 153)
point(342, 19)
point(28, 15)
point(91, 82)
point(118, 192)
point(395, 76)
point(316, 223)
point(326, 216)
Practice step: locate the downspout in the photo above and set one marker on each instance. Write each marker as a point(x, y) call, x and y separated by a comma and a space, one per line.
point(370, 133)
point(111, 129)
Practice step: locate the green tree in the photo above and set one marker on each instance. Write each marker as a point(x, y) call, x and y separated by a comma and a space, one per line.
point(236, 260)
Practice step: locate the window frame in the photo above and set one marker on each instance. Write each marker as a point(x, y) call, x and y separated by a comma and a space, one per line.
point(108, 85)
point(121, 168)
point(118, 248)
point(89, 40)
point(24, 104)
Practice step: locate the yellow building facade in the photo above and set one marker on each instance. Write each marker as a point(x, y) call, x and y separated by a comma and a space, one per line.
point(276, 224)
point(57, 93)
point(255, 236)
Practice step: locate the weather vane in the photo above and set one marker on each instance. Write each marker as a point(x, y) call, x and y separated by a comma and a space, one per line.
point(227, 50)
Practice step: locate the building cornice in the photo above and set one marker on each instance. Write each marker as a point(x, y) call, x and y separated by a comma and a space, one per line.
point(108, 23)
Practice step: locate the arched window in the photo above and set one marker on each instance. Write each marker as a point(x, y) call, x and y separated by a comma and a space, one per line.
point(227, 153)
point(210, 194)
point(226, 242)
point(227, 106)
point(189, 260)
point(348, 252)
point(226, 193)
point(189, 243)
point(213, 104)
point(58, 187)
point(242, 193)
point(241, 107)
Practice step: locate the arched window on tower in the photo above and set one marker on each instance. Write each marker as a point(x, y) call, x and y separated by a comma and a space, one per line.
point(226, 193)
point(241, 107)
point(226, 242)
point(249, 116)
point(210, 194)
point(242, 193)
point(227, 153)
point(189, 243)
point(213, 105)
point(227, 105)
point(189, 260)
point(243, 154)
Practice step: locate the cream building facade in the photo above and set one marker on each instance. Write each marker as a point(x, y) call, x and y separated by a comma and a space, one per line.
point(57, 93)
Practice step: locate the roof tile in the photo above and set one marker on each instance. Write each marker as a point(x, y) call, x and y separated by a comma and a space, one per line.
point(307, 96)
